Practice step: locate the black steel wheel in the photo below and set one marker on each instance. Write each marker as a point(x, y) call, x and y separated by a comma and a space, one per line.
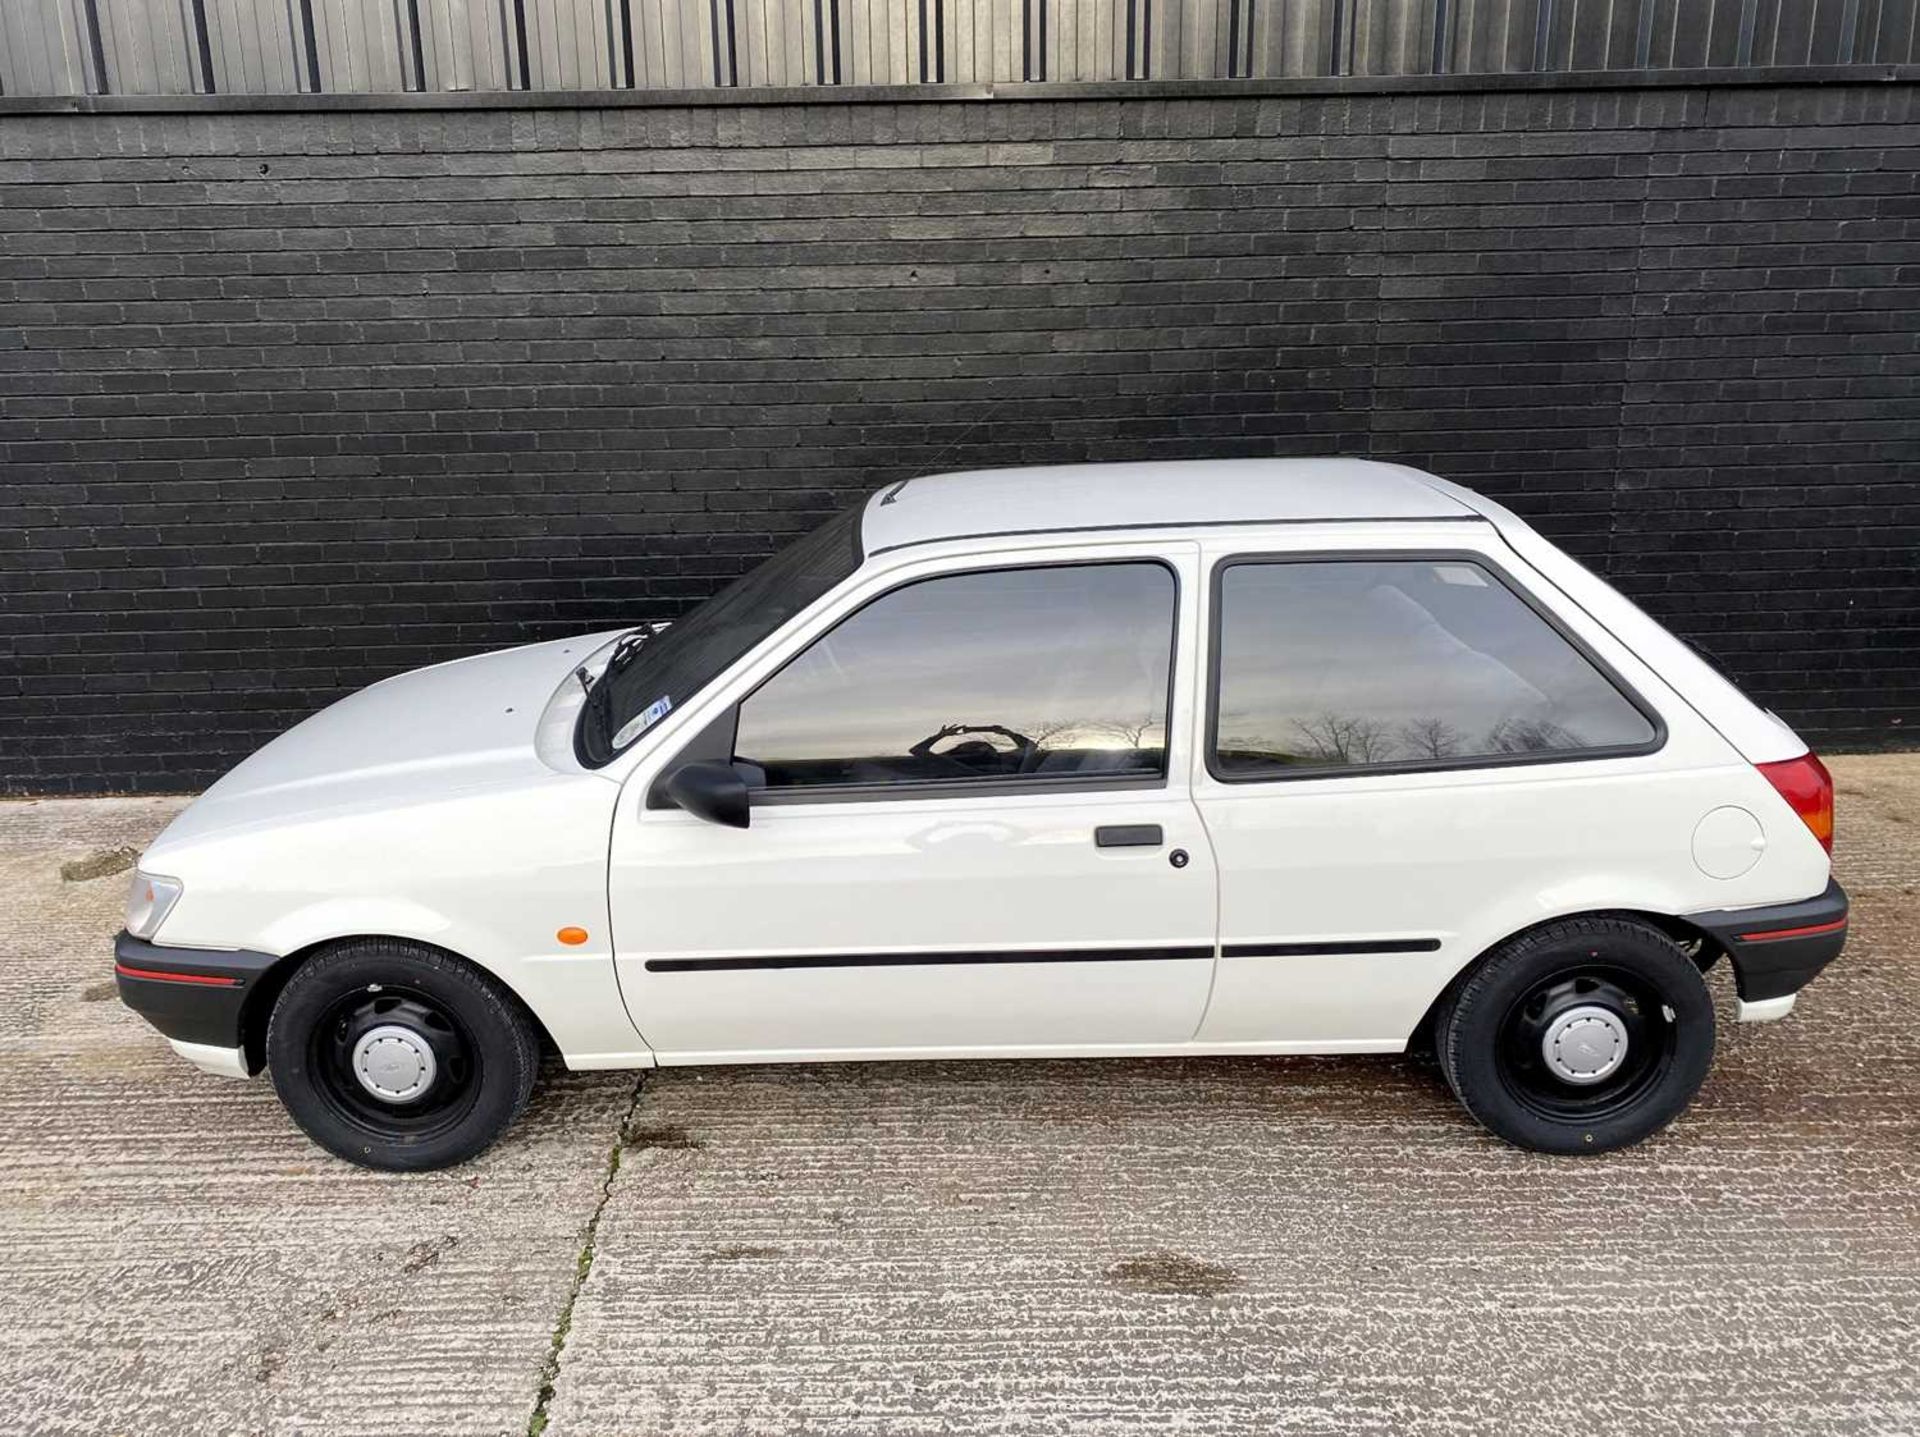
point(389, 1058)
point(395, 1055)
point(1579, 1037)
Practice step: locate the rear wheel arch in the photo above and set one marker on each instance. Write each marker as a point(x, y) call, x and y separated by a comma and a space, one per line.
point(1694, 941)
point(1579, 1036)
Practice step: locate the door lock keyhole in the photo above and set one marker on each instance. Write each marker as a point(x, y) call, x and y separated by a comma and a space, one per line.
point(1178, 858)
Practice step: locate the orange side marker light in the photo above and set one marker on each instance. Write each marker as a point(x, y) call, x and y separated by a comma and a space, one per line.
point(572, 937)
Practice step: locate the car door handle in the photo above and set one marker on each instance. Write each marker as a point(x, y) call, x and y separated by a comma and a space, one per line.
point(1128, 835)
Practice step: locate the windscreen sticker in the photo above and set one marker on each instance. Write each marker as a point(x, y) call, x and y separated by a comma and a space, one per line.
point(642, 721)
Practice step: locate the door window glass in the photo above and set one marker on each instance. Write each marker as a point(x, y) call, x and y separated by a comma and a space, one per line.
point(1368, 663)
point(1040, 673)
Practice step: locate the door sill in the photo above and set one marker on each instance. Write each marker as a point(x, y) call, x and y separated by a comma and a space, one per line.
point(1319, 1047)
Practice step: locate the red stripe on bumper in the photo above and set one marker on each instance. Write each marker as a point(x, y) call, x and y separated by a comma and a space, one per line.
point(1769, 935)
point(210, 979)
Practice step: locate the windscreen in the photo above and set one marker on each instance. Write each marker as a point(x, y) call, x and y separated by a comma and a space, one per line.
point(648, 678)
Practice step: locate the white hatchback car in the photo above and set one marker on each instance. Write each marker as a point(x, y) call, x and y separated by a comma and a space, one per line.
point(1236, 757)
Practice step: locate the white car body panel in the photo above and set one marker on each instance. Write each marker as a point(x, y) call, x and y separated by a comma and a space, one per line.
point(1467, 856)
point(1006, 872)
point(418, 809)
point(446, 806)
point(904, 877)
point(1090, 499)
point(220, 1062)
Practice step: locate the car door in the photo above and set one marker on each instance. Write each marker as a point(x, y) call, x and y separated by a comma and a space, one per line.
point(970, 832)
point(1408, 757)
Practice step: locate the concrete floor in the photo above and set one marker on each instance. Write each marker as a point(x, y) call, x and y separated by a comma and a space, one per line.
point(1259, 1246)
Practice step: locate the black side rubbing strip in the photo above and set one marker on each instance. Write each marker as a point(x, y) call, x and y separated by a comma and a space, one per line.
point(1300, 950)
point(953, 958)
point(927, 960)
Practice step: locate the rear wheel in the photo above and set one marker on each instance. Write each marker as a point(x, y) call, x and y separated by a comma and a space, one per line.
point(394, 1055)
point(1578, 1037)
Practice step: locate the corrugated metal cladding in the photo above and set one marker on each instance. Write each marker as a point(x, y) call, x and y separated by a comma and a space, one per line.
point(177, 47)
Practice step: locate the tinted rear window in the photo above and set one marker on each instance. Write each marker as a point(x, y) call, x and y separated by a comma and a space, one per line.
point(1360, 663)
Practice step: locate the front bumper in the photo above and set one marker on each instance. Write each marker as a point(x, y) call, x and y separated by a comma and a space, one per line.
point(1779, 949)
point(197, 997)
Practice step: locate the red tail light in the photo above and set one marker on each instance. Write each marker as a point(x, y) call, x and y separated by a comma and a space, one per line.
point(1808, 789)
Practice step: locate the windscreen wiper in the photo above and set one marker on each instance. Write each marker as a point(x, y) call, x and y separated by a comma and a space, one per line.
point(599, 692)
point(624, 648)
point(629, 645)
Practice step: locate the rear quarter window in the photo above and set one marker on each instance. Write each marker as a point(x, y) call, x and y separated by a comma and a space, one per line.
point(1337, 664)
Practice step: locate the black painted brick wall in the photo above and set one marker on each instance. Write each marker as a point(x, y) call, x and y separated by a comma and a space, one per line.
point(291, 401)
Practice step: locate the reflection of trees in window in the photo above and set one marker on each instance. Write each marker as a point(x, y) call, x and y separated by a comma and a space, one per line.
point(1528, 736)
point(1131, 734)
point(1046, 731)
point(1043, 747)
point(1063, 735)
point(1355, 741)
point(1430, 738)
point(1339, 738)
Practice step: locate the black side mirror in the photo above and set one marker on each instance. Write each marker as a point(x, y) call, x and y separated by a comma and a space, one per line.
point(713, 791)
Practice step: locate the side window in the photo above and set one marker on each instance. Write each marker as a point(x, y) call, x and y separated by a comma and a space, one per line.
point(1357, 663)
point(1040, 673)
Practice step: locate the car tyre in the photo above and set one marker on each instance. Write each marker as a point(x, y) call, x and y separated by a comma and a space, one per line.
point(398, 1056)
point(1579, 1037)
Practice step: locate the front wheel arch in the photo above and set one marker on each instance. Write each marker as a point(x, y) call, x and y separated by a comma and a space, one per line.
point(258, 1007)
point(400, 1055)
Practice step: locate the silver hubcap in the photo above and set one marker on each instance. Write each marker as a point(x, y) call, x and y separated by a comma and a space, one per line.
point(393, 1063)
point(1585, 1044)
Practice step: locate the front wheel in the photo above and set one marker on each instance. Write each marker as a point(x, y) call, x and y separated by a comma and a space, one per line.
point(1579, 1037)
point(398, 1056)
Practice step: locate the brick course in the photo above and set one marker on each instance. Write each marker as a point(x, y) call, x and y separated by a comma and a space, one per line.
point(290, 401)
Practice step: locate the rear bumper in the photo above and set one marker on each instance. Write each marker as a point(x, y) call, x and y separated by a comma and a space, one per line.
point(1779, 949)
point(197, 997)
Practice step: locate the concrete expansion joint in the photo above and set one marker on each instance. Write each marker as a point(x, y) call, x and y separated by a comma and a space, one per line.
point(583, 1265)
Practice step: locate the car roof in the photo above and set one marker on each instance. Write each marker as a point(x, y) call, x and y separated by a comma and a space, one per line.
point(1193, 493)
